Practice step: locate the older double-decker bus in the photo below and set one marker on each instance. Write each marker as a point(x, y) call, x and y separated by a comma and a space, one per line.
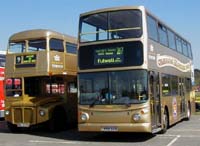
point(41, 71)
point(2, 68)
point(134, 72)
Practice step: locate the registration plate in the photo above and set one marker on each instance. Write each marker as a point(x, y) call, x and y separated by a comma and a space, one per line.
point(23, 125)
point(109, 129)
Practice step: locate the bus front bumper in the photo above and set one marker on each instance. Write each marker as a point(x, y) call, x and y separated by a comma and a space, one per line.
point(123, 127)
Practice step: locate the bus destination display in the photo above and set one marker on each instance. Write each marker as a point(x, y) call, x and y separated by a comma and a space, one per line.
point(25, 61)
point(107, 56)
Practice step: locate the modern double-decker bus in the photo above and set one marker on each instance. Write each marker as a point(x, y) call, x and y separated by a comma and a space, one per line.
point(41, 76)
point(134, 72)
point(2, 97)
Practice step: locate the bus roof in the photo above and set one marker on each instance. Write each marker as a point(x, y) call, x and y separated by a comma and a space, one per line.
point(111, 9)
point(40, 33)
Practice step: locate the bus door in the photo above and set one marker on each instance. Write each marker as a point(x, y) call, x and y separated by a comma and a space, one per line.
point(155, 99)
point(182, 96)
point(72, 101)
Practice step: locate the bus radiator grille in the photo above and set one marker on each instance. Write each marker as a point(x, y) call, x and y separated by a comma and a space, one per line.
point(23, 115)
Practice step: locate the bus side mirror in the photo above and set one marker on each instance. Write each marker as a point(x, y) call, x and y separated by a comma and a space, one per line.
point(72, 87)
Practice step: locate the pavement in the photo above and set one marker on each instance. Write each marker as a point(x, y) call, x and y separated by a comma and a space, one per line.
point(184, 133)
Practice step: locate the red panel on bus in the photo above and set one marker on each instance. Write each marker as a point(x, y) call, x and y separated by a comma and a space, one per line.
point(2, 105)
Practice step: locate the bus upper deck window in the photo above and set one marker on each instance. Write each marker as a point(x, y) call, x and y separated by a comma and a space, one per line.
point(37, 45)
point(71, 48)
point(108, 26)
point(17, 47)
point(56, 45)
point(2, 60)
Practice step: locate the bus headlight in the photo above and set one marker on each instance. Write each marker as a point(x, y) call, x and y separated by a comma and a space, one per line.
point(84, 116)
point(136, 117)
point(7, 113)
point(144, 111)
point(42, 113)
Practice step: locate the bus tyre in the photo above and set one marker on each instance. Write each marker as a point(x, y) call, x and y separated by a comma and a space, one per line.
point(188, 112)
point(13, 128)
point(165, 122)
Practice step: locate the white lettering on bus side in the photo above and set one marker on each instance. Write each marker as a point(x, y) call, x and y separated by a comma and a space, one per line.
point(57, 66)
point(166, 60)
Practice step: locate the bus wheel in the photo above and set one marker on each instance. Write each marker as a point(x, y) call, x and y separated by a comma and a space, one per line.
point(165, 122)
point(188, 112)
point(13, 128)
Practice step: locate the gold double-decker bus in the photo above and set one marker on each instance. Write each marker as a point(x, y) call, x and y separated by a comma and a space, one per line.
point(41, 76)
point(134, 72)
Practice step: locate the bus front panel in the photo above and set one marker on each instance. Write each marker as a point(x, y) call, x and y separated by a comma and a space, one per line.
point(116, 99)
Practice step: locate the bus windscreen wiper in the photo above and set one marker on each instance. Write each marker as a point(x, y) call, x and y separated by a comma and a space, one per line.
point(93, 103)
point(127, 104)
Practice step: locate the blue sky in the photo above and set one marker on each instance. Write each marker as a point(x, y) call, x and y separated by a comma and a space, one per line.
point(62, 16)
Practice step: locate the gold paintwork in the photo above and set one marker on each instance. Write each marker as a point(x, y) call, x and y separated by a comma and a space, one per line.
point(40, 33)
point(115, 116)
point(69, 61)
point(24, 110)
point(120, 116)
point(112, 30)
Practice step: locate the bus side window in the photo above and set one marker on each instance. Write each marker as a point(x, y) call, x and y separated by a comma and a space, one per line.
point(166, 86)
point(71, 48)
point(56, 45)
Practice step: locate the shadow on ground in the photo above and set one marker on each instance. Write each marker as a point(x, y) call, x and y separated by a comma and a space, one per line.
point(74, 135)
